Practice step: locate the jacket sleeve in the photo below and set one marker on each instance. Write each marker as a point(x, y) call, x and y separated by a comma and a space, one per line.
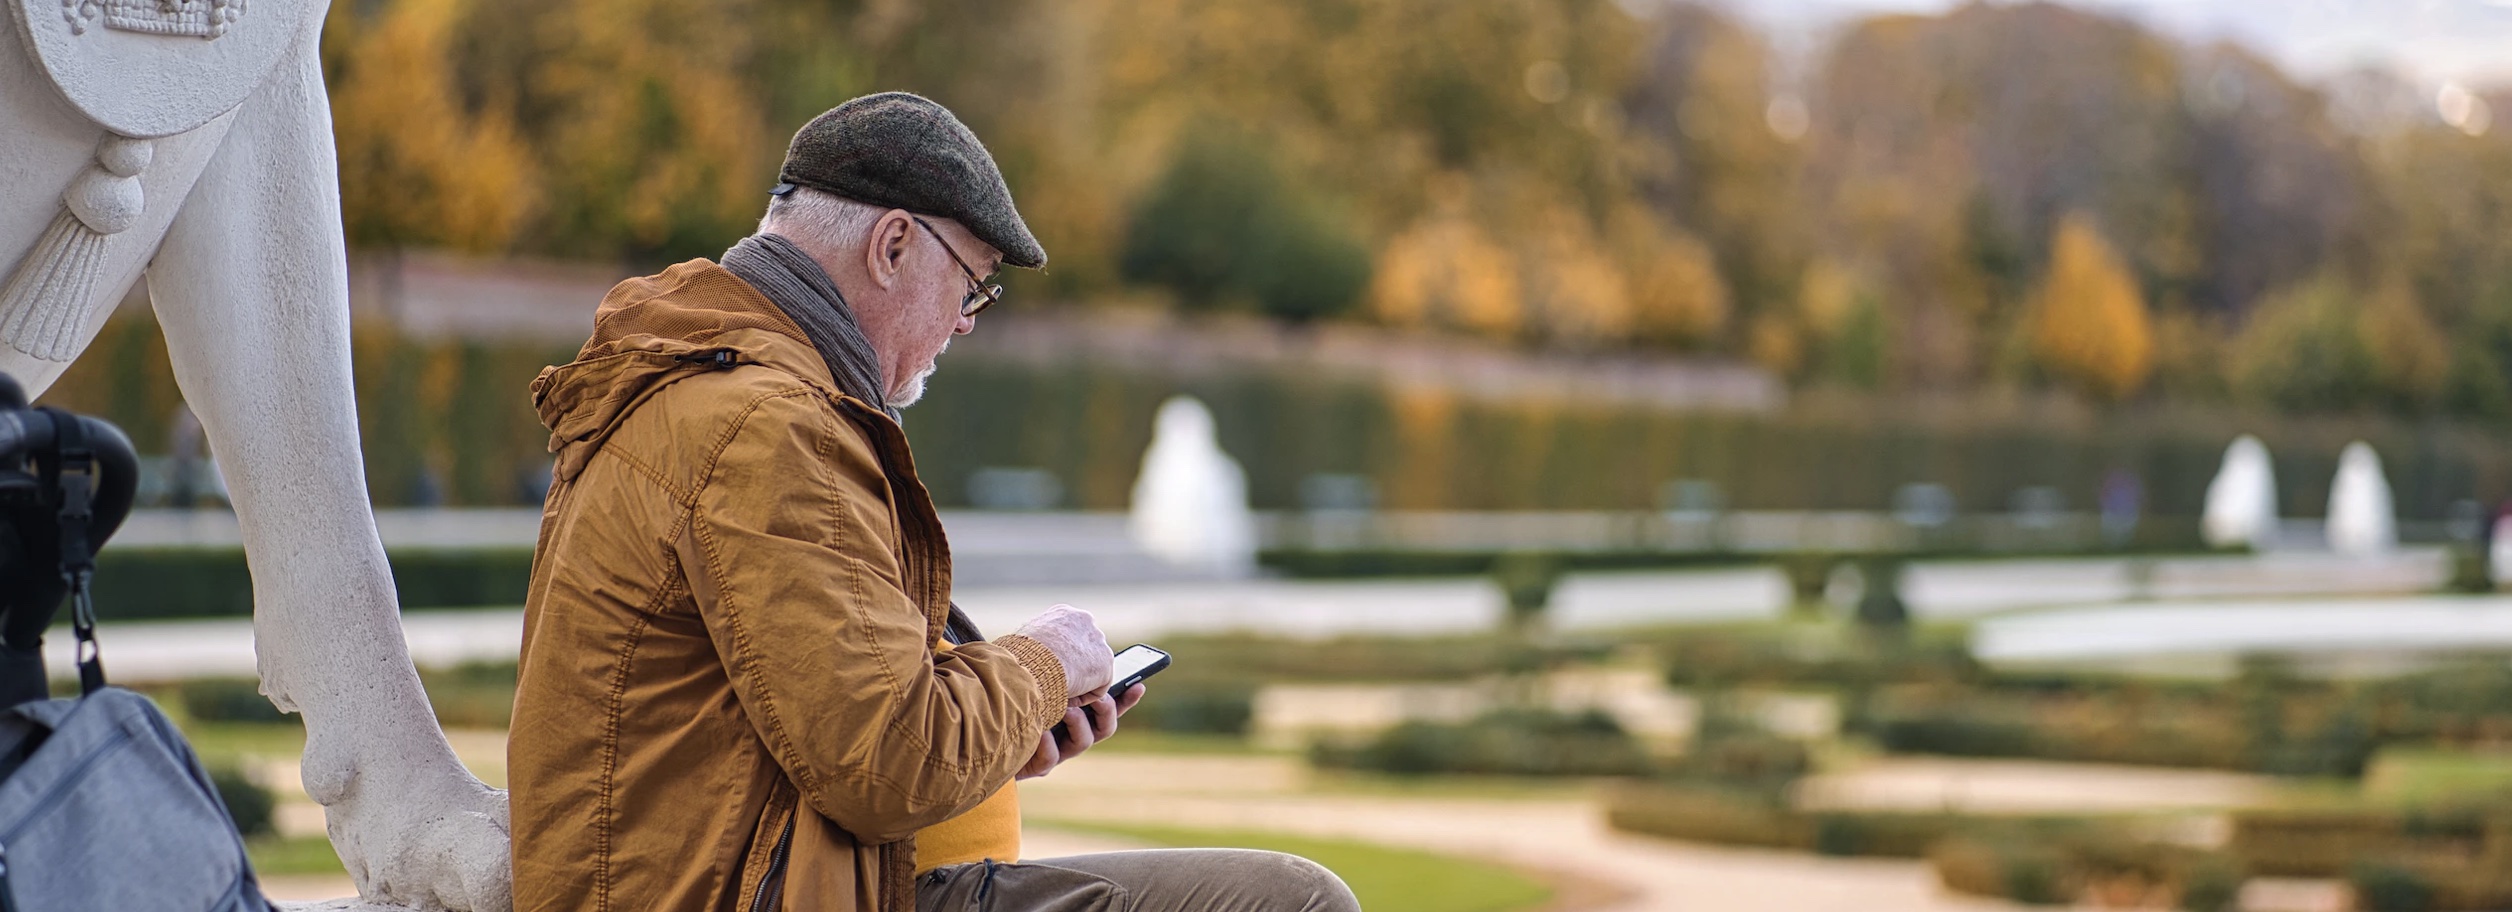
point(788, 557)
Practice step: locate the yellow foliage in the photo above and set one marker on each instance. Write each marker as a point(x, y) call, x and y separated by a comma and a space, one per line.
point(1445, 272)
point(1826, 295)
point(416, 167)
point(660, 131)
point(1776, 344)
point(2090, 326)
point(1579, 292)
point(1677, 296)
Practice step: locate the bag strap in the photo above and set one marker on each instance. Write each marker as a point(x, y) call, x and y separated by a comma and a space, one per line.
point(78, 471)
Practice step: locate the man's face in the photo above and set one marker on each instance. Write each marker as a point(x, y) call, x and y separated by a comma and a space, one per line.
point(937, 286)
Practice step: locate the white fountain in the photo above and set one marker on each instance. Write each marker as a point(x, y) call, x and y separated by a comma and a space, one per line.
point(2241, 501)
point(1190, 503)
point(2361, 521)
point(2499, 551)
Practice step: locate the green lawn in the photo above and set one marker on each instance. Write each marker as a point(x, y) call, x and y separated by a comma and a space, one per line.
point(1385, 879)
point(273, 855)
point(213, 740)
point(2428, 776)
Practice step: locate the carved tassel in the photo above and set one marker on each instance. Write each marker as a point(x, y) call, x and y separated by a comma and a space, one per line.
point(59, 276)
point(45, 306)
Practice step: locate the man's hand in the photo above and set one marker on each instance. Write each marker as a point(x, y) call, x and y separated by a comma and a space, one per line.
point(1082, 729)
point(1075, 639)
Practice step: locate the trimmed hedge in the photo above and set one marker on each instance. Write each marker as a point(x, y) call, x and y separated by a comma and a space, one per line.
point(1707, 813)
point(2058, 863)
point(1362, 563)
point(2332, 843)
point(1727, 815)
point(1508, 742)
point(2431, 885)
point(2285, 731)
point(251, 807)
point(163, 583)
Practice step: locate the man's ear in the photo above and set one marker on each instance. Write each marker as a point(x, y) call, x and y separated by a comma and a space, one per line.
point(885, 251)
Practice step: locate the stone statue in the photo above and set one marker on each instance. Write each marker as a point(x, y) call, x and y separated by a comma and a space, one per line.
point(2362, 521)
point(188, 143)
point(2242, 500)
point(1190, 502)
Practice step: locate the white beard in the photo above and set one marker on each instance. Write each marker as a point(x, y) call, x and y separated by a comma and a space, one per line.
point(914, 389)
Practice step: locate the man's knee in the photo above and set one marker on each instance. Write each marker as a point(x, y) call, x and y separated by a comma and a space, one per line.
point(1295, 883)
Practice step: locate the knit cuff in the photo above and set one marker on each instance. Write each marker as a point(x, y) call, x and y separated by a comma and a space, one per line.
point(1042, 665)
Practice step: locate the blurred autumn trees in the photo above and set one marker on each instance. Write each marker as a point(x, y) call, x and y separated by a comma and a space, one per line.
point(2013, 194)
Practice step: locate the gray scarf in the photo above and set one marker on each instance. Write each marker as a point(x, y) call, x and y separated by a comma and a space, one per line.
point(796, 284)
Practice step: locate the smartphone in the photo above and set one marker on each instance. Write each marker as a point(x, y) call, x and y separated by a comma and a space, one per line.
point(1136, 663)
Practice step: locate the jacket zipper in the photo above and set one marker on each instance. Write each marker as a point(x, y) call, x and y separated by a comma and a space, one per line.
point(771, 884)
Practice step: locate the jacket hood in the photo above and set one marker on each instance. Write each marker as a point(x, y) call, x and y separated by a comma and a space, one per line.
point(653, 331)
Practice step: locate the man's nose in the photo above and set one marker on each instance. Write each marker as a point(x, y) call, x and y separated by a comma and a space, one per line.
point(967, 324)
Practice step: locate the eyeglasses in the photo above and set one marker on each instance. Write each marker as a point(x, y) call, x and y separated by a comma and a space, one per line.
point(980, 295)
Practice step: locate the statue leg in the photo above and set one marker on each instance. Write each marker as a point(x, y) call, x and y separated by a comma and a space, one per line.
point(251, 286)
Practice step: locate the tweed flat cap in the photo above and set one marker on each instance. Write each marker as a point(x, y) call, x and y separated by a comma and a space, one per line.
point(906, 152)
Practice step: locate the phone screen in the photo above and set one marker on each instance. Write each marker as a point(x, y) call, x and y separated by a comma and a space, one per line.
point(1134, 659)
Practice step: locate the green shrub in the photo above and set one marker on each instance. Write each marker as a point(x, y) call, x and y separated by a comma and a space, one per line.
point(248, 803)
point(2053, 860)
point(1968, 866)
point(2212, 884)
point(1752, 759)
point(478, 695)
point(156, 583)
point(2030, 871)
point(1953, 734)
point(1224, 223)
point(2383, 887)
point(1509, 742)
point(2087, 722)
point(1196, 707)
point(2033, 877)
point(227, 700)
point(1705, 812)
point(1248, 660)
point(1363, 563)
point(1729, 814)
point(2329, 843)
point(1881, 834)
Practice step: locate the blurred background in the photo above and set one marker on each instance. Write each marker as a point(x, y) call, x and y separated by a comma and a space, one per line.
point(1815, 454)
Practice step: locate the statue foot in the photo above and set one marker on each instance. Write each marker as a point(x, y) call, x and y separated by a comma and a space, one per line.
point(417, 832)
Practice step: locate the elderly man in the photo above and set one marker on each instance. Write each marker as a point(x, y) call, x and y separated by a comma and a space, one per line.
point(743, 684)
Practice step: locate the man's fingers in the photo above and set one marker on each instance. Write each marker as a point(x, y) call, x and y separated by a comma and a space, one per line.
point(1078, 733)
point(1125, 701)
point(1103, 715)
point(1044, 759)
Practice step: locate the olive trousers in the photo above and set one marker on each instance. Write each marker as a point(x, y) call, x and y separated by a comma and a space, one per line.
point(1150, 880)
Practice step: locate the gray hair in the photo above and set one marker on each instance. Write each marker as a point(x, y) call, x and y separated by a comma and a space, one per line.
point(815, 218)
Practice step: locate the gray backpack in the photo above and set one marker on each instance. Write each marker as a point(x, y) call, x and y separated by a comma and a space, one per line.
point(104, 808)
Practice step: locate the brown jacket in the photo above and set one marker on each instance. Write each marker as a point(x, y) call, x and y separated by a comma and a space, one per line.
point(728, 672)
